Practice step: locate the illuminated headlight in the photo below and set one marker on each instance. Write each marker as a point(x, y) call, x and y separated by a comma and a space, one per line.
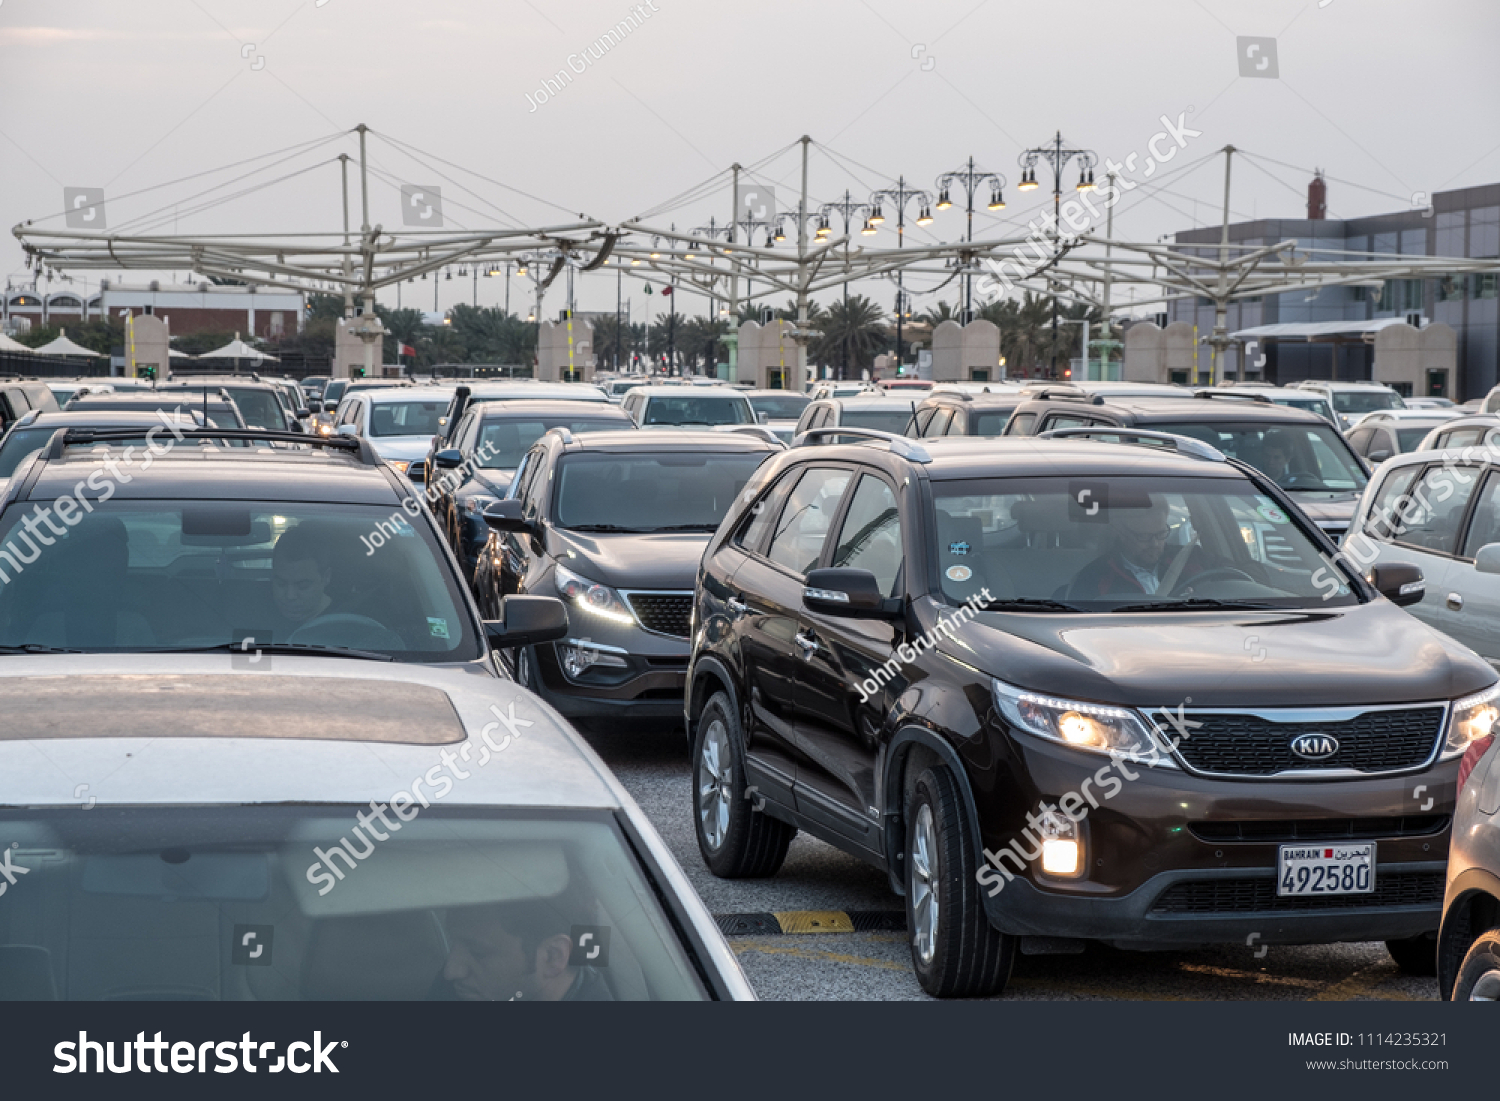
point(591, 596)
point(1088, 726)
point(1062, 848)
point(577, 660)
point(1473, 718)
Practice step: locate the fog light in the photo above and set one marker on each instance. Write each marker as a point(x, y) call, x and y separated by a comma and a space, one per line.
point(1060, 857)
point(577, 660)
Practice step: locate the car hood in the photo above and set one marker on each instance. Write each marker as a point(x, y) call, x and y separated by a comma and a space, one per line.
point(494, 482)
point(665, 561)
point(1327, 507)
point(1367, 654)
point(406, 449)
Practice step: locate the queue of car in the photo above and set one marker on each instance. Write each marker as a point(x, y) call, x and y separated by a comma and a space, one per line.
point(1068, 663)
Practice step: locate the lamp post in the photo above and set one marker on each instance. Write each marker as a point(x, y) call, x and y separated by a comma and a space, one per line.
point(970, 180)
point(1057, 155)
point(846, 208)
point(899, 196)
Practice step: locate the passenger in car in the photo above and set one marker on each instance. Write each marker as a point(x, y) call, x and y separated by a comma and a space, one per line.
point(518, 951)
point(1137, 559)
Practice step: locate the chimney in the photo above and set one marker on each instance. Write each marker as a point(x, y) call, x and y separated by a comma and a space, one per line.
point(1317, 197)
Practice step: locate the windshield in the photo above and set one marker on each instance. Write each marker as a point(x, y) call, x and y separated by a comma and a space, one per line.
point(260, 408)
point(698, 409)
point(1132, 541)
point(990, 424)
point(780, 407)
point(1365, 401)
point(1296, 457)
point(146, 575)
point(675, 490)
point(895, 421)
point(335, 389)
point(502, 444)
point(20, 443)
point(1406, 438)
point(406, 418)
point(266, 903)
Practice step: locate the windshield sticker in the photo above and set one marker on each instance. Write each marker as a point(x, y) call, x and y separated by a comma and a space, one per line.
point(1270, 512)
point(437, 627)
point(958, 548)
point(959, 573)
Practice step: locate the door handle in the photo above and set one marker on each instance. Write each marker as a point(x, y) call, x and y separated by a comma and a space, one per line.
point(809, 645)
point(738, 607)
point(1455, 602)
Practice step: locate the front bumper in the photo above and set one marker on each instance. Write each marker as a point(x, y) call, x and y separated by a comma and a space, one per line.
point(1172, 859)
point(650, 685)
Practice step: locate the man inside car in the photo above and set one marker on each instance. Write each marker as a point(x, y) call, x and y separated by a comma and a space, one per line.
point(516, 951)
point(301, 570)
point(1137, 560)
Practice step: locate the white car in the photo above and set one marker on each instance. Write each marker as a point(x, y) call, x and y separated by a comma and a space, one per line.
point(688, 407)
point(1352, 399)
point(1377, 436)
point(399, 421)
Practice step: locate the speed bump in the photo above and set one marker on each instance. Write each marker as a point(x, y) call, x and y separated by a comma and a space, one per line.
point(803, 922)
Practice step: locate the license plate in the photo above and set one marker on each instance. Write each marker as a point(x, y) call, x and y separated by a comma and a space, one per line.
point(1325, 869)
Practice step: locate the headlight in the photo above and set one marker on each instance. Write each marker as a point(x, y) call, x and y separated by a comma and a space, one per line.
point(400, 465)
point(1473, 718)
point(478, 502)
point(591, 596)
point(1088, 726)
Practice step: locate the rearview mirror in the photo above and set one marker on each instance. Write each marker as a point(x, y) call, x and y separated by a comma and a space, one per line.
point(526, 621)
point(1400, 583)
point(1487, 559)
point(845, 592)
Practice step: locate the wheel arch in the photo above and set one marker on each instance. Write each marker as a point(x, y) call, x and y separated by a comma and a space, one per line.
point(1475, 908)
point(710, 675)
point(915, 743)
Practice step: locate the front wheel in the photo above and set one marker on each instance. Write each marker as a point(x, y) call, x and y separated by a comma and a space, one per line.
point(737, 838)
point(1479, 975)
point(957, 953)
point(1415, 955)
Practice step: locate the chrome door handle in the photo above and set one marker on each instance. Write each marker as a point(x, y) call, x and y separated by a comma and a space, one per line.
point(809, 645)
point(738, 607)
point(1455, 601)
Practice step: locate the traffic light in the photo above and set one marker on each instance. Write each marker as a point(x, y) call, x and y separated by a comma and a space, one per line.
point(146, 371)
point(359, 372)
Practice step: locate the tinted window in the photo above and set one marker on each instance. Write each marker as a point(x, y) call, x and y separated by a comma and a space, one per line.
point(1429, 513)
point(502, 443)
point(779, 407)
point(259, 408)
point(1020, 424)
point(20, 443)
point(1365, 401)
point(938, 425)
point(1408, 438)
point(697, 409)
point(406, 418)
point(989, 424)
point(895, 421)
point(805, 519)
point(1484, 528)
point(870, 538)
point(666, 491)
point(1296, 456)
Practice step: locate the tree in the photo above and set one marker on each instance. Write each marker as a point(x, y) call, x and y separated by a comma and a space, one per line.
point(852, 335)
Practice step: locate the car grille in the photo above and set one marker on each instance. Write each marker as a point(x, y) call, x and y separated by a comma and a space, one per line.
point(1386, 740)
point(664, 613)
point(1321, 829)
point(1247, 896)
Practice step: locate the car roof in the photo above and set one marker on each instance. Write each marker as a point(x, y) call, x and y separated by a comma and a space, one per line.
point(1434, 415)
point(317, 474)
point(201, 383)
point(665, 439)
point(879, 401)
point(1148, 410)
point(775, 394)
point(93, 418)
point(520, 388)
point(971, 400)
point(408, 393)
point(1326, 384)
point(501, 410)
point(678, 391)
point(304, 742)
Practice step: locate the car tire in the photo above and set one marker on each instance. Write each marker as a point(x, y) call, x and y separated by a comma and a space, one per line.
point(1479, 974)
point(737, 838)
point(955, 950)
point(1415, 955)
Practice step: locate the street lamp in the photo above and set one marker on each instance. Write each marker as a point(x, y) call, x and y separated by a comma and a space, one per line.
point(847, 209)
point(1057, 155)
point(900, 195)
point(970, 180)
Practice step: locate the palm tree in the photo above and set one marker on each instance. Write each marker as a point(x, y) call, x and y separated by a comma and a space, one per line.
point(852, 334)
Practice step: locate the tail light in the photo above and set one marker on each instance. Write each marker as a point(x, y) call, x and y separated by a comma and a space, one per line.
point(1471, 758)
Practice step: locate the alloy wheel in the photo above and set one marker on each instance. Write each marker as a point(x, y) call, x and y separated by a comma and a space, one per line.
point(923, 885)
point(715, 795)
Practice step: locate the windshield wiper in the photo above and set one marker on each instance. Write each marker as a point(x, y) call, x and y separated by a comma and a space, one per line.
point(606, 527)
point(1195, 603)
point(1028, 604)
point(688, 527)
point(33, 648)
point(276, 648)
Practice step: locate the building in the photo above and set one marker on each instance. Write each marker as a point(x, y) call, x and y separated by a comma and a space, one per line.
point(187, 307)
point(1463, 222)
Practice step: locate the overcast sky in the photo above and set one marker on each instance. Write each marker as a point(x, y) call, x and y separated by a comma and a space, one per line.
point(1398, 98)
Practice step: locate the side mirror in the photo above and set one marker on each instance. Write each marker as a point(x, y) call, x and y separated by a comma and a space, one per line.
point(1487, 559)
point(1400, 583)
point(527, 620)
point(314, 407)
point(845, 592)
point(1378, 456)
point(506, 516)
point(416, 471)
point(763, 418)
point(303, 414)
point(449, 458)
point(348, 430)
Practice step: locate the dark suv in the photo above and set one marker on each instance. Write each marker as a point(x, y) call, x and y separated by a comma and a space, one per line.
point(614, 523)
point(1305, 455)
point(958, 413)
point(1061, 689)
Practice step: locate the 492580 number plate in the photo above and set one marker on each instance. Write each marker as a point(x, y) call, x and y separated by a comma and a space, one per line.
point(1325, 869)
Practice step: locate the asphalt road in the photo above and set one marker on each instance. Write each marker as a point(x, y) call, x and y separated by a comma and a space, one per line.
point(841, 966)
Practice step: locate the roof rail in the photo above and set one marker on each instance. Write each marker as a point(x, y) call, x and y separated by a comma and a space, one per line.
point(1184, 445)
point(759, 431)
point(562, 433)
point(355, 445)
point(898, 445)
point(1243, 395)
point(1052, 393)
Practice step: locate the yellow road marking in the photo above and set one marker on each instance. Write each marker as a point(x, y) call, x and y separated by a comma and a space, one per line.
point(1361, 984)
point(746, 945)
point(1235, 973)
point(814, 921)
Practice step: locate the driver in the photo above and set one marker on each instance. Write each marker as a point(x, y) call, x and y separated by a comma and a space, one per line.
point(1276, 460)
point(1136, 561)
point(516, 951)
point(301, 571)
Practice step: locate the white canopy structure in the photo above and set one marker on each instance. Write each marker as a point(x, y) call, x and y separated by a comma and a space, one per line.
point(9, 345)
point(235, 349)
point(62, 346)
